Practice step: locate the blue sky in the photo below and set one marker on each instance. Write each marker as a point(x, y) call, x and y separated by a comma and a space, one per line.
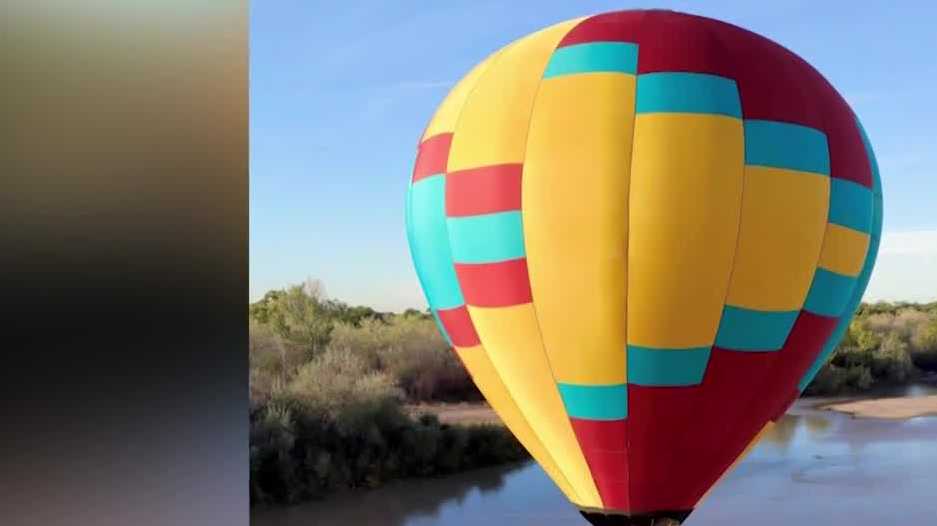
point(341, 91)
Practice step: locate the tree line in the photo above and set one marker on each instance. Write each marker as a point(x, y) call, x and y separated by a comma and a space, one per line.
point(886, 344)
point(328, 388)
point(329, 385)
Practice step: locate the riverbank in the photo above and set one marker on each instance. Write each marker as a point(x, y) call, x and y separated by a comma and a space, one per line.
point(298, 453)
point(844, 471)
point(461, 413)
point(891, 408)
point(898, 408)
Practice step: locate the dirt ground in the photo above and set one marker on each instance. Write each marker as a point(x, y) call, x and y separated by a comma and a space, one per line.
point(888, 408)
point(461, 413)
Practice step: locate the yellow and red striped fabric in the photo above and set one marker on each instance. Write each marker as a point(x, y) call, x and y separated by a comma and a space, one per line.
point(642, 232)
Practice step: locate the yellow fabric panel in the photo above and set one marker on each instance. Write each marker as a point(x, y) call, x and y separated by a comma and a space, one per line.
point(783, 219)
point(512, 338)
point(685, 201)
point(492, 128)
point(447, 113)
point(575, 195)
point(843, 250)
point(489, 383)
point(738, 460)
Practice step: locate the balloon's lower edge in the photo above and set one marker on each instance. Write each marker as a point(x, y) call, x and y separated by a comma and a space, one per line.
point(657, 518)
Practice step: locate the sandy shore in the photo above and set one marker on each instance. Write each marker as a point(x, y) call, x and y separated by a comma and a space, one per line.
point(887, 408)
point(461, 413)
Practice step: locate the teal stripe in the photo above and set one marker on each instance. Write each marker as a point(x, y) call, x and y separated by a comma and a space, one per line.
point(610, 57)
point(666, 367)
point(687, 93)
point(487, 238)
point(877, 215)
point(754, 330)
point(850, 205)
point(829, 293)
point(870, 155)
point(862, 281)
point(785, 145)
point(429, 242)
point(595, 402)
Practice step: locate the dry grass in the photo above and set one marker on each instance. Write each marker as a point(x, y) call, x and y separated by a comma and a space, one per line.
point(338, 379)
point(465, 413)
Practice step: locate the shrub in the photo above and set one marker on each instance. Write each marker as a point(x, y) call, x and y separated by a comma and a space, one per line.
point(272, 362)
point(410, 349)
point(297, 455)
point(892, 362)
point(924, 344)
point(858, 378)
point(830, 380)
point(339, 383)
point(366, 340)
point(908, 320)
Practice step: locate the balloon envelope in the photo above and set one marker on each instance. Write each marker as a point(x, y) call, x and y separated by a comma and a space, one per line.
point(643, 232)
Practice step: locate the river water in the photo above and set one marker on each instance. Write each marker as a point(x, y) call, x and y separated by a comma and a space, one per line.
point(816, 467)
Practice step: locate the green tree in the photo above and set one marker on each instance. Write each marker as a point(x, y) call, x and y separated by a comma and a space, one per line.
point(892, 361)
point(262, 309)
point(301, 315)
point(924, 344)
point(351, 315)
point(865, 339)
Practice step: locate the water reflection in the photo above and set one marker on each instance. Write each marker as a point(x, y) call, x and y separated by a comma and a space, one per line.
point(397, 504)
point(812, 467)
point(784, 432)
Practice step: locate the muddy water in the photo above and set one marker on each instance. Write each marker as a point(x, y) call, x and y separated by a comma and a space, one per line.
point(816, 467)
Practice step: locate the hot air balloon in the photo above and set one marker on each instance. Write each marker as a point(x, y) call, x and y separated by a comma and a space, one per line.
point(643, 232)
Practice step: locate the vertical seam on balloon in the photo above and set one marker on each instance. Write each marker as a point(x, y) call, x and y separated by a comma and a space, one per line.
point(738, 233)
point(738, 242)
point(507, 390)
point(738, 237)
point(826, 229)
point(533, 303)
point(634, 121)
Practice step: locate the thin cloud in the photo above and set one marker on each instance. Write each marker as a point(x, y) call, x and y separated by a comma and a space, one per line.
point(424, 84)
point(859, 98)
point(919, 242)
point(906, 268)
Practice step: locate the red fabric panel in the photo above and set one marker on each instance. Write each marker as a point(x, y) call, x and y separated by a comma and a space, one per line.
point(774, 83)
point(459, 327)
point(484, 190)
point(848, 159)
point(432, 156)
point(618, 26)
point(498, 284)
point(603, 445)
point(724, 419)
point(662, 470)
point(683, 439)
point(688, 436)
point(805, 342)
